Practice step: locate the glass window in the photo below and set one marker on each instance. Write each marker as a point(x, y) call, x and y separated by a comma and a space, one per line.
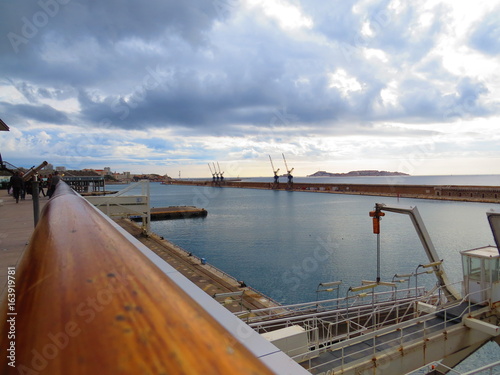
point(475, 268)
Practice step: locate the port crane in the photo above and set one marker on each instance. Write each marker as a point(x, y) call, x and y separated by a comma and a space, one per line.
point(213, 174)
point(276, 182)
point(216, 173)
point(289, 184)
point(221, 174)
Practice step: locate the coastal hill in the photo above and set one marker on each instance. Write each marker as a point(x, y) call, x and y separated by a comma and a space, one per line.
point(357, 173)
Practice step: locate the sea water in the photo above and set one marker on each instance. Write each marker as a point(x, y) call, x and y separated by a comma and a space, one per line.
point(285, 243)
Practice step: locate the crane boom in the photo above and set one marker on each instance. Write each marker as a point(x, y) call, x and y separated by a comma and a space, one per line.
point(271, 160)
point(275, 171)
point(426, 241)
point(286, 166)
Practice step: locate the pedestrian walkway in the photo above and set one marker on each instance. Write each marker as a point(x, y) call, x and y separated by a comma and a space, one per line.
point(16, 227)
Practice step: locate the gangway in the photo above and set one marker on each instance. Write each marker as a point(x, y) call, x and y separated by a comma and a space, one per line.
point(401, 347)
point(426, 241)
point(400, 330)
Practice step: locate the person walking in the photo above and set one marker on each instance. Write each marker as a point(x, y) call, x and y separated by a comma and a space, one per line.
point(16, 183)
point(52, 184)
point(40, 186)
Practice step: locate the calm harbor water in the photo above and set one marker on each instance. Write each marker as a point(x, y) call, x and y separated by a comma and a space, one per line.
point(285, 243)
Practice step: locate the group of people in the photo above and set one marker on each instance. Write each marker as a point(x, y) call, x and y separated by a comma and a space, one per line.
point(20, 187)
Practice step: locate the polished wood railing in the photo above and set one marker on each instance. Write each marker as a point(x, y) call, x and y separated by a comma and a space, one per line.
point(89, 302)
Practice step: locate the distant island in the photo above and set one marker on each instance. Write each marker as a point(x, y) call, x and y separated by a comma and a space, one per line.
point(357, 174)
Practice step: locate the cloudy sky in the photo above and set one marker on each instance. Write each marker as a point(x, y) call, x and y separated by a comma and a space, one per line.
point(166, 86)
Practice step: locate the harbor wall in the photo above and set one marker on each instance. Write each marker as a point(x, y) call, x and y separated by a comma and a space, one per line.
point(489, 194)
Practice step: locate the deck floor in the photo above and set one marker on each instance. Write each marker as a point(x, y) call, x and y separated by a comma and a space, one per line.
point(16, 227)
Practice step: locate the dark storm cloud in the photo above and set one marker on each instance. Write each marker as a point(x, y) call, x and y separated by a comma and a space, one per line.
point(42, 113)
point(139, 65)
point(107, 21)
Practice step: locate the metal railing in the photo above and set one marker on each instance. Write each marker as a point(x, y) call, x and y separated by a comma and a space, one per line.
point(254, 316)
point(395, 318)
point(403, 331)
point(490, 369)
point(126, 205)
point(88, 301)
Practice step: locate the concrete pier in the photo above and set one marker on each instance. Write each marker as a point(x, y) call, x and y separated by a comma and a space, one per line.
point(485, 194)
point(175, 212)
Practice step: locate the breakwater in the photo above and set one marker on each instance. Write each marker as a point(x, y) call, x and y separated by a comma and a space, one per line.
point(485, 194)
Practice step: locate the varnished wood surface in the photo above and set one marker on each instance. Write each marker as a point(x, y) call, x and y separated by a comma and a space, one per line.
point(88, 302)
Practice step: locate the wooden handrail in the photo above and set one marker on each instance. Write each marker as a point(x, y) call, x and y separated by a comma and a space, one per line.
point(89, 302)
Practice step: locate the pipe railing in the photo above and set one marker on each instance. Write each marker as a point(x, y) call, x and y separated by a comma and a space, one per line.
point(89, 302)
point(407, 333)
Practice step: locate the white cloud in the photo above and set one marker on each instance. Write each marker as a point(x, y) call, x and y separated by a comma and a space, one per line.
point(288, 16)
point(345, 83)
point(193, 84)
point(389, 94)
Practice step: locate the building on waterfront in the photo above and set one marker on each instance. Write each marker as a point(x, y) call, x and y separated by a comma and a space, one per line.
point(474, 192)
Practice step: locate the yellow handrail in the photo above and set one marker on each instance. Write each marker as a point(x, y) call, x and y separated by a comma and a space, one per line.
point(89, 302)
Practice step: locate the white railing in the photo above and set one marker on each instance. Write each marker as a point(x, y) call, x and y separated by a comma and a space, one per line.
point(125, 205)
point(373, 334)
point(255, 316)
point(490, 369)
